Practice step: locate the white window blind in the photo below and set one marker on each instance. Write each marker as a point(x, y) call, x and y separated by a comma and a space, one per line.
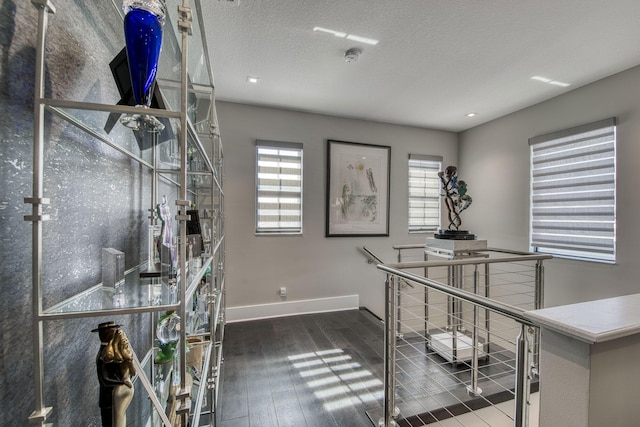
point(278, 187)
point(424, 193)
point(573, 192)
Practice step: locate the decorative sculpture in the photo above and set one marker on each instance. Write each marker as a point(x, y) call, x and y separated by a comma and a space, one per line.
point(114, 364)
point(167, 334)
point(166, 220)
point(143, 22)
point(457, 200)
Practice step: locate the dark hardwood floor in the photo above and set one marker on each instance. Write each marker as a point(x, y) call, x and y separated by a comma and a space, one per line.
point(327, 370)
point(310, 370)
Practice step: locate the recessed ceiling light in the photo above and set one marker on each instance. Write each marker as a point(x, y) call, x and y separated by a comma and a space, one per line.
point(253, 79)
point(343, 35)
point(471, 114)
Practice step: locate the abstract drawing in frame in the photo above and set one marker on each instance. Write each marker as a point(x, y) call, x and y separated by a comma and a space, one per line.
point(357, 189)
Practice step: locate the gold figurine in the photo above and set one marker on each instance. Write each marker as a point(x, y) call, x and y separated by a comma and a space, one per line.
point(114, 364)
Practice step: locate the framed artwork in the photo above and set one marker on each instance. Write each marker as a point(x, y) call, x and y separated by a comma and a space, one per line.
point(357, 189)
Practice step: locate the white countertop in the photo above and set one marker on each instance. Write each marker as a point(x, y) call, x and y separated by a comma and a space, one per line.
point(593, 321)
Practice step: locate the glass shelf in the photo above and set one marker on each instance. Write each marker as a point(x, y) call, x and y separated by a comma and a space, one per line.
point(218, 314)
point(197, 276)
point(200, 401)
point(136, 294)
point(169, 74)
point(160, 377)
point(93, 120)
point(163, 380)
point(198, 64)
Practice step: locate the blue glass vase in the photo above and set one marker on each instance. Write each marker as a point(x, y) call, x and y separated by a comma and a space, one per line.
point(143, 22)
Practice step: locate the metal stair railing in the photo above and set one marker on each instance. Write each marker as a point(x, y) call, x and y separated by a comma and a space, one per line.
point(405, 358)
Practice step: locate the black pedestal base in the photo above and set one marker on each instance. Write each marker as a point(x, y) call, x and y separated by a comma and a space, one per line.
point(455, 235)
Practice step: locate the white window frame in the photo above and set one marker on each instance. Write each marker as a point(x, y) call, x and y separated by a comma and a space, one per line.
point(283, 197)
point(573, 192)
point(430, 193)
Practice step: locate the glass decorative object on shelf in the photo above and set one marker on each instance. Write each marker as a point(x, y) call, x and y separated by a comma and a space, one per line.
point(190, 259)
point(154, 252)
point(194, 356)
point(112, 268)
point(168, 335)
point(168, 239)
point(199, 320)
point(119, 298)
point(155, 292)
point(155, 232)
point(206, 238)
point(160, 386)
point(143, 22)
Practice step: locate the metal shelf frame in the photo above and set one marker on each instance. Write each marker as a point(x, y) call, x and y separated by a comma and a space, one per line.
point(189, 284)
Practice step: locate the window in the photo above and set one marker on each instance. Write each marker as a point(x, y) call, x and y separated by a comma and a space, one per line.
point(573, 192)
point(424, 193)
point(278, 187)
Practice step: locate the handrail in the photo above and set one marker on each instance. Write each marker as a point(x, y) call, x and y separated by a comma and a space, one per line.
point(514, 252)
point(507, 310)
point(521, 256)
point(372, 255)
point(506, 251)
point(467, 261)
point(409, 246)
point(488, 249)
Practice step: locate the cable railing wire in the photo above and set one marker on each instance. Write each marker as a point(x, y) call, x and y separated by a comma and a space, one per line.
point(482, 314)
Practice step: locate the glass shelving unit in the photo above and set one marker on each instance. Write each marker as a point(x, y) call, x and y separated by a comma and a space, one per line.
point(182, 165)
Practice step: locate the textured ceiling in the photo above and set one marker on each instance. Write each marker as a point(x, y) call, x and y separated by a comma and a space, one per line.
point(436, 60)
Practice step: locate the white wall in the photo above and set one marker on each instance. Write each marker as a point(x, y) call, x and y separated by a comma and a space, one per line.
point(311, 266)
point(494, 160)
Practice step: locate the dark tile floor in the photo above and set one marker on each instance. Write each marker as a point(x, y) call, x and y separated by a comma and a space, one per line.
point(310, 370)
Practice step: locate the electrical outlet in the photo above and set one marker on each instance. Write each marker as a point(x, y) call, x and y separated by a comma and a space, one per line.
point(283, 291)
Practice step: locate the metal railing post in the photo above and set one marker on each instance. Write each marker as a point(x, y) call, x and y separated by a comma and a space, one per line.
point(487, 313)
point(538, 303)
point(523, 379)
point(426, 301)
point(399, 304)
point(389, 410)
point(473, 388)
point(450, 303)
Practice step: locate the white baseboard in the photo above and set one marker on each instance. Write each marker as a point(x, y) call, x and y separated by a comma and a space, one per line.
point(291, 308)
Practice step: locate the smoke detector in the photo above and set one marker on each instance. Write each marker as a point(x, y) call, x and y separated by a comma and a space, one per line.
point(352, 55)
